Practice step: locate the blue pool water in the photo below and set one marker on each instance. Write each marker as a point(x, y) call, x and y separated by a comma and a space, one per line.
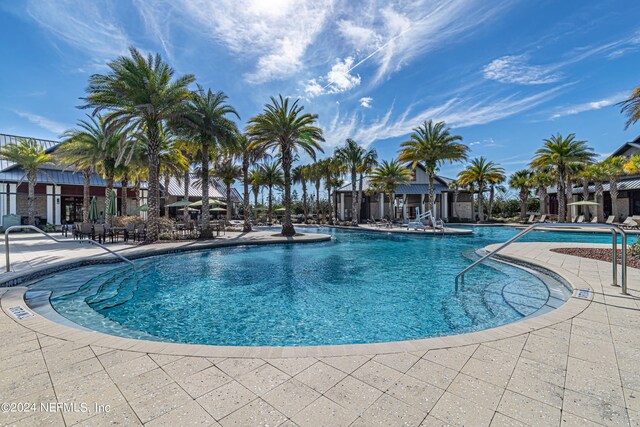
point(361, 287)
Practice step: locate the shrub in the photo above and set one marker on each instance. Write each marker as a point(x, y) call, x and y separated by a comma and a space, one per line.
point(124, 221)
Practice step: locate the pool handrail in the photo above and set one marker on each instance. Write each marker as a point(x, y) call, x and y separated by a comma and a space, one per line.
point(34, 228)
point(614, 230)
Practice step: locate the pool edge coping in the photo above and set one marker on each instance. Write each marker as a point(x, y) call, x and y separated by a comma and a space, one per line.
point(14, 296)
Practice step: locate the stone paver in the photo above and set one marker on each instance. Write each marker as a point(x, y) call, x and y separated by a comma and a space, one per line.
point(578, 371)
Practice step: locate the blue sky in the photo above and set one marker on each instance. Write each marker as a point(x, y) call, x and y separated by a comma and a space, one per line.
point(503, 74)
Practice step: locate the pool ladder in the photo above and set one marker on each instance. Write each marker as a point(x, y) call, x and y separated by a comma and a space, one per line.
point(31, 227)
point(614, 261)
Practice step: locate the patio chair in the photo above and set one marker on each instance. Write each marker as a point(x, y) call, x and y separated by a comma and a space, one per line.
point(76, 230)
point(580, 219)
point(629, 224)
point(543, 218)
point(140, 233)
point(573, 218)
point(130, 231)
point(594, 220)
point(99, 233)
point(86, 231)
point(610, 219)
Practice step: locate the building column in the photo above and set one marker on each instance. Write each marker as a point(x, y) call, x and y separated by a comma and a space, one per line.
point(422, 210)
point(13, 208)
point(445, 206)
point(404, 208)
point(143, 200)
point(341, 207)
point(3, 201)
point(57, 191)
point(381, 205)
point(50, 205)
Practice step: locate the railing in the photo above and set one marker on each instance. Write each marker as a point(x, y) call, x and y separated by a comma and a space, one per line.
point(614, 231)
point(31, 227)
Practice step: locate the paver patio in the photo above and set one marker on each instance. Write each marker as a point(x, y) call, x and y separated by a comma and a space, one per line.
point(580, 371)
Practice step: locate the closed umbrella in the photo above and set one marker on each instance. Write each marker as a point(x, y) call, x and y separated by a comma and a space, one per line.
point(111, 209)
point(93, 210)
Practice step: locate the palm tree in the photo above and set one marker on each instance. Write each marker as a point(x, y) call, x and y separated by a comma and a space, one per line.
point(30, 156)
point(255, 178)
point(494, 182)
point(142, 94)
point(249, 155)
point(228, 172)
point(300, 177)
point(598, 173)
point(352, 156)
point(369, 162)
point(559, 153)
point(206, 122)
point(315, 175)
point(614, 168)
point(480, 172)
point(284, 127)
point(541, 179)
point(585, 175)
point(271, 176)
point(94, 147)
point(331, 168)
point(387, 176)
point(632, 166)
point(631, 107)
point(432, 145)
point(522, 181)
point(455, 186)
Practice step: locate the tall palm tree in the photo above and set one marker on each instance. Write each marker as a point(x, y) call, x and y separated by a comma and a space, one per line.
point(480, 172)
point(454, 185)
point(541, 180)
point(299, 175)
point(522, 181)
point(142, 93)
point(331, 168)
point(614, 169)
point(585, 175)
point(248, 154)
point(94, 146)
point(494, 182)
point(30, 156)
point(255, 178)
point(559, 153)
point(284, 127)
point(206, 121)
point(352, 156)
point(369, 162)
point(271, 176)
point(598, 173)
point(387, 176)
point(432, 145)
point(315, 175)
point(632, 166)
point(631, 107)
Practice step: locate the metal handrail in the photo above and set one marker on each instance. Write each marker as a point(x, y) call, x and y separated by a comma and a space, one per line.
point(31, 227)
point(614, 230)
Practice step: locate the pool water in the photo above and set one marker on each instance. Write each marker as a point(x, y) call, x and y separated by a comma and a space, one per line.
point(361, 287)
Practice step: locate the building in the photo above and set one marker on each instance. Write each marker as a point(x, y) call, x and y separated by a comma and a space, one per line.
point(409, 197)
point(628, 190)
point(59, 191)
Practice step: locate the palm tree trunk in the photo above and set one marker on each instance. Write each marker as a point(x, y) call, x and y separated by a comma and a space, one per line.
point(32, 178)
point(86, 195)
point(432, 193)
point(270, 214)
point(167, 178)
point(569, 192)
point(108, 219)
point(359, 208)
point(305, 208)
point(492, 191)
point(246, 208)
point(206, 229)
point(455, 203)
point(481, 203)
point(523, 204)
point(562, 216)
point(229, 204)
point(328, 185)
point(186, 215)
point(318, 198)
point(354, 198)
point(255, 198)
point(585, 196)
point(613, 192)
point(153, 206)
point(392, 212)
point(599, 199)
point(542, 196)
point(124, 185)
point(287, 224)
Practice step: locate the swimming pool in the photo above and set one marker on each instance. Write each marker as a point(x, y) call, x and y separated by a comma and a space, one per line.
point(361, 287)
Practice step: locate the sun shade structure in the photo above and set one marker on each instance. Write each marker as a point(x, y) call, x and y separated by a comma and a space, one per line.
point(180, 204)
point(584, 203)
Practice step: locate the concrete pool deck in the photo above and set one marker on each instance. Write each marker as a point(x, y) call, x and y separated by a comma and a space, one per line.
point(574, 366)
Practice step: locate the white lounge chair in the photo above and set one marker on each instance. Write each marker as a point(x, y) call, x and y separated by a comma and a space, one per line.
point(580, 219)
point(629, 224)
point(543, 218)
point(610, 219)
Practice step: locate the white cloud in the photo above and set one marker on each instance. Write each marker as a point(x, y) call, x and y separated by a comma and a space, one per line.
point(457, 112)
point(366, 102)
point(90, 26)
point(339, 79)
point(589, 106)
point(515, 69)
point(43, 122)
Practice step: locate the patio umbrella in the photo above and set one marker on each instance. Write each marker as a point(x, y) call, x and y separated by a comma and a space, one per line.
point(212, 201)
point(190, 209)
point(93, 209)
point(584, 203)
point(280, 210)
point(217, 210)
point(180, 204)
point(143, 208)
point(111, 209)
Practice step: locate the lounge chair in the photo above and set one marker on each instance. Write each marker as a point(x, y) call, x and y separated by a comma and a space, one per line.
point(594, 220)
point(580, 219)
point(543, 218)
point(574, 218)
point(529, 221)
point(610, 219)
